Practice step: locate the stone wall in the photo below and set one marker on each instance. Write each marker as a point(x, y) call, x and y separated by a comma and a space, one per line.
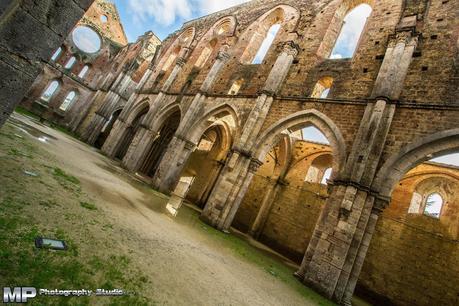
point(29, 34)
point(412, 259)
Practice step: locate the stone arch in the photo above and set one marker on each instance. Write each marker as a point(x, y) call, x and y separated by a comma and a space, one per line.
point(178, 48)
point(136, 109)
point(298, 120)
point(410, 155)
point(216, 114)
point(165, 127)
point(336, 24)
point(213, 39)
point(133, 121)
point(206, 162)
point(252, 38)
point(164, 114)
point(107, 127)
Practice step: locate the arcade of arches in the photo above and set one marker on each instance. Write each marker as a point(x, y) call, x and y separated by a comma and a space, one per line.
point(219, 119)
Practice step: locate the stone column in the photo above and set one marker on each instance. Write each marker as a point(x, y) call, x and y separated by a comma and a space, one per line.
point(266, 205)
point(114, 141)
point(336, 252)
point(178, 152)
point(166, 176)
point(145, 137)
point(360, 251)
point(95, 128)
point(236, 177)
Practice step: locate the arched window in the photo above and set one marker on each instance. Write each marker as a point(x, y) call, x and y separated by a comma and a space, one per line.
point(322, 88)
point(56, 54)
point(68, 101)
point(236, 87)
point(433, 205)
point(319, 170)
point(203, 57)
point(83, 71)
point(351, 31)
point(169, 61)
point(50, 91)
point(70, 63)
point(267, 42)
point(326, 177)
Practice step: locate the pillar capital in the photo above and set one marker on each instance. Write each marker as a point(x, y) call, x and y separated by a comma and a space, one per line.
point(223, 56)
point(181, 62)
point(290, 47)
point(189, 145)
point(254, 165)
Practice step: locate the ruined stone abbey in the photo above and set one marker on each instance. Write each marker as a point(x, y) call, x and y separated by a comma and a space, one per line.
point(216, 114)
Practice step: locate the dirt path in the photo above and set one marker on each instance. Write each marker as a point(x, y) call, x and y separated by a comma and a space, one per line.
point(187, 262)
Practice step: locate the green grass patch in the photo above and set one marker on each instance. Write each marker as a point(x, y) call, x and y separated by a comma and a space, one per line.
point(89, 206)
point(60, 175)
point(25, 112)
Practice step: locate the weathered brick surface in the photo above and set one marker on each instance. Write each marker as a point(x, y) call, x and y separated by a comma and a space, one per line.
point(29, 33)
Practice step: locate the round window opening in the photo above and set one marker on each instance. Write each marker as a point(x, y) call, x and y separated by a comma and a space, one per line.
point(86, 39)
point(104, 19)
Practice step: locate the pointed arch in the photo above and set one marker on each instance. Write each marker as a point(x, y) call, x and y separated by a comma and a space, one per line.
point(137, 109)
point(336, 25)
point(213, 38)
point(411, 155)
point(220, 113)
point(177, 49)
point(164, 114)
point(299, 120)
point(284, 15)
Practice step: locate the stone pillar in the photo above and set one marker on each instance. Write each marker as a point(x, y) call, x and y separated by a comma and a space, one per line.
point(234, 181)
point(229, 191)
point(166, 176)
point(335, 255)
point(145, 137)
point(113, 142)
point(29, 34)
point(95, 128)
point(266, 205)
point(178, 152)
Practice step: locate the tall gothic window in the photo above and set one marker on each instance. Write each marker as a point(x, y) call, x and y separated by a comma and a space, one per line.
point(351, 31)
point(50, 91)
point(68, 101)
point(266, 44)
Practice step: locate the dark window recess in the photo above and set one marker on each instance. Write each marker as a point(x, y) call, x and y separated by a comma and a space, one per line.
point(424, 68)
point(376, 43)
point(434, 37)
point(417, 54)
point(379, 57)
point(365, 70)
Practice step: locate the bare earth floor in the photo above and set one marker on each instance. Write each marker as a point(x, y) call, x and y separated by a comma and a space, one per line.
point(118, 233)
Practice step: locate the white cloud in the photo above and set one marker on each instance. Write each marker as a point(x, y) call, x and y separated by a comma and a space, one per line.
point(212, 6)
point(354, 23)
point(167, 12)
point(164, 12)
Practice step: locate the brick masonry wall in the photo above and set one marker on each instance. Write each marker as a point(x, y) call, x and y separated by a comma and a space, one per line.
point(29, 33)
point(413, 259)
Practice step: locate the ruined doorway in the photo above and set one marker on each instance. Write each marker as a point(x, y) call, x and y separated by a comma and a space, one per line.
point(206, 164)
point(131, 131)
point(107, 129)
point(159, 146)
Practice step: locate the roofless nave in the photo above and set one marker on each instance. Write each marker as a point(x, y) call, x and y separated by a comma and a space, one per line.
point(221, 106)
